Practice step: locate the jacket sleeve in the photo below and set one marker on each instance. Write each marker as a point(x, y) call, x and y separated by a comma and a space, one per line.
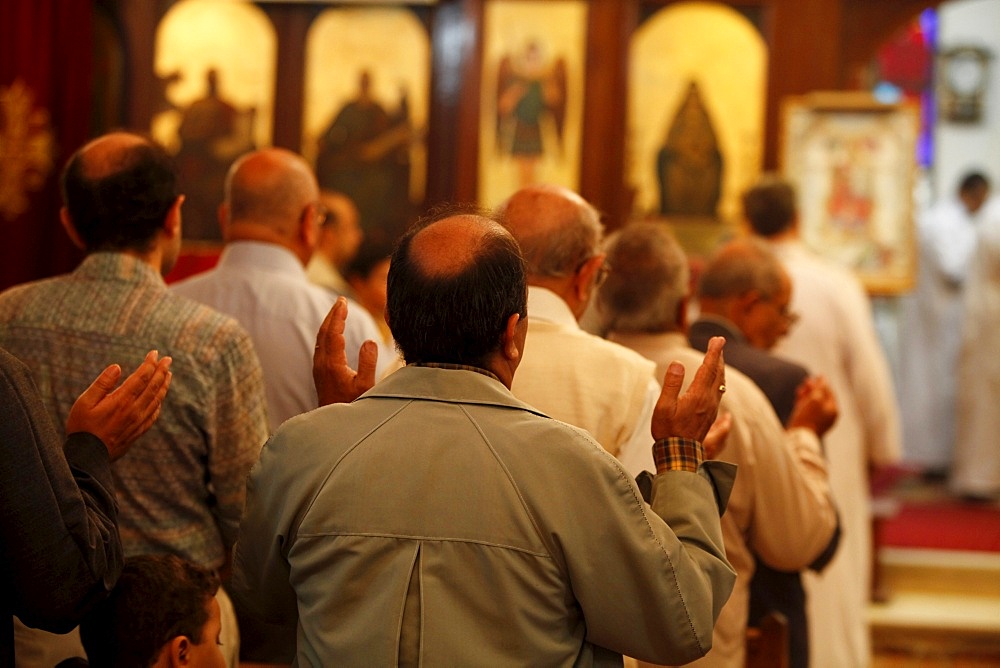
point(59, 541)
point(651, 580)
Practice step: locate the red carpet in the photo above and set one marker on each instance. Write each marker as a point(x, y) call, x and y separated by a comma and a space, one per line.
point(943, 524)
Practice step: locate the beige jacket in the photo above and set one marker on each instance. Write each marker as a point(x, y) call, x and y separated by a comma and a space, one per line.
point(439, 521)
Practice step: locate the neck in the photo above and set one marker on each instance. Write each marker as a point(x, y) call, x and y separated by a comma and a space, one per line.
point(268, 235)
point(564, 288)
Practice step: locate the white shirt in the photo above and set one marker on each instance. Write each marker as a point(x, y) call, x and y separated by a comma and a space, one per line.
point(587, 382)
point(976, 468)
point(836, 338)
point(265, 288)
point(930, 333)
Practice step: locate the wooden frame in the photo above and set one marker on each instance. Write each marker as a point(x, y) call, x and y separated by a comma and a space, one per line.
point(851, 160)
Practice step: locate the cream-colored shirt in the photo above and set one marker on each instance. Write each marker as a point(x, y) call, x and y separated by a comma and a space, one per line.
point(587, 381)
point(835, 337)
point(781, 508)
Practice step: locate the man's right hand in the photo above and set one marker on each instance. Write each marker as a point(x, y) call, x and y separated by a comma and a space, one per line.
point(336, 381)
point(691, 415)
point(815, 406)
point(119, 416)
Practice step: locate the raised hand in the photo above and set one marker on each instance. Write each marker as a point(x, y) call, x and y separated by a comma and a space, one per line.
point(119, 416)
point(336, 381)
point(691, 415)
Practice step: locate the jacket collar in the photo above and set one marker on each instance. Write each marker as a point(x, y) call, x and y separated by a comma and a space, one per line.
point(446, 385)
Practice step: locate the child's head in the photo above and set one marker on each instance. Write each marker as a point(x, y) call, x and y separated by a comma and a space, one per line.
point(162, 612)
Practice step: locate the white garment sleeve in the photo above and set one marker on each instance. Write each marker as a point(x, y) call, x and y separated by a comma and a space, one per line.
point(636, 453)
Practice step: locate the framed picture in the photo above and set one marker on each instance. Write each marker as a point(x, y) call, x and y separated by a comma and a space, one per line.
point(532, 95)
point(852, 161)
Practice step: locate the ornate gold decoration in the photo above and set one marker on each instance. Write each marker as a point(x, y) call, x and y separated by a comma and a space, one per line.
point(26, 148)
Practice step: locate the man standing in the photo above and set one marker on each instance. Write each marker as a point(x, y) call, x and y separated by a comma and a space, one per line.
point(340, 237)
point(437, 520)
point(976, 470)
point(835, 338)
point(182, 488)
point(781, 510)
point(59, 520)
point(930, 332)
point(270, 219)
point(568, 373)
point(744, 295)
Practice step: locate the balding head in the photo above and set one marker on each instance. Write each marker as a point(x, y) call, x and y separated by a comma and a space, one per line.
point(118, 190)
point(746, 284)
point(555, 227)
point(269, 189)
point(454, 282)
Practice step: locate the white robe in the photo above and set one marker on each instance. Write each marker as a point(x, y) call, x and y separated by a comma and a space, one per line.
point(976, 468)
point(930, 334)
point(836, 338)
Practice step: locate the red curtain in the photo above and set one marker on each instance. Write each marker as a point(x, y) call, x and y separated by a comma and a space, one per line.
point(45, 109)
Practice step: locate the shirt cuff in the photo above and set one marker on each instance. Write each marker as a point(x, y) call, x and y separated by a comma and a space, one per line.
point(677, 454)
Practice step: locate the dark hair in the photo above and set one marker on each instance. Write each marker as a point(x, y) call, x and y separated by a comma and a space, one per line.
point(370, 254)
point(769, 206)
point(125, 206)
point(158, 598)
point(973, 181)
point(456, 318)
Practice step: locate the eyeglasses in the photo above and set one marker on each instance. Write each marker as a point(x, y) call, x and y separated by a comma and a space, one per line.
point(602, 273)
point(787, 314)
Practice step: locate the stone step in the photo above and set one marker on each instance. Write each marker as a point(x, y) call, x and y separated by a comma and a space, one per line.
point(941, 603)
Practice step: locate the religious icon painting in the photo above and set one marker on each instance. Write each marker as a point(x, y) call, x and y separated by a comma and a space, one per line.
point(532, 95)
point(367, 87)
point(697, 86)
point(852, 160)
point(216, 64)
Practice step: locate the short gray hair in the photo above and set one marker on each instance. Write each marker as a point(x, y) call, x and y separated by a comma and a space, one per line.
point(740, 267)
point(648, 280)
point(560, 250)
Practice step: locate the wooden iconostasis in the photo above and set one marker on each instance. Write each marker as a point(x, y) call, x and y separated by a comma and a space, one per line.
point(647, 107)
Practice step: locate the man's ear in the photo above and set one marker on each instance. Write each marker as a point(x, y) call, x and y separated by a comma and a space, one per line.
point(746, 301)
point(70, 228)
point(583, 282)
point(172, 221)
point(681, 318)
point(511, 343)
point(179, 650)
point(309, 227)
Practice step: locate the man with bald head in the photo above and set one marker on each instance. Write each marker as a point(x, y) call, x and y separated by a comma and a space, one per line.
point(570, 374)
point(181, 488)
point(438, 520)
point(271, 219)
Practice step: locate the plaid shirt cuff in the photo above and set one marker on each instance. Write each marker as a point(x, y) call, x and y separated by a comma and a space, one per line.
point(677, 454)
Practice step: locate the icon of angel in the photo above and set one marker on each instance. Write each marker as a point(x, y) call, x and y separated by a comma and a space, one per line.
point(531, 107)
